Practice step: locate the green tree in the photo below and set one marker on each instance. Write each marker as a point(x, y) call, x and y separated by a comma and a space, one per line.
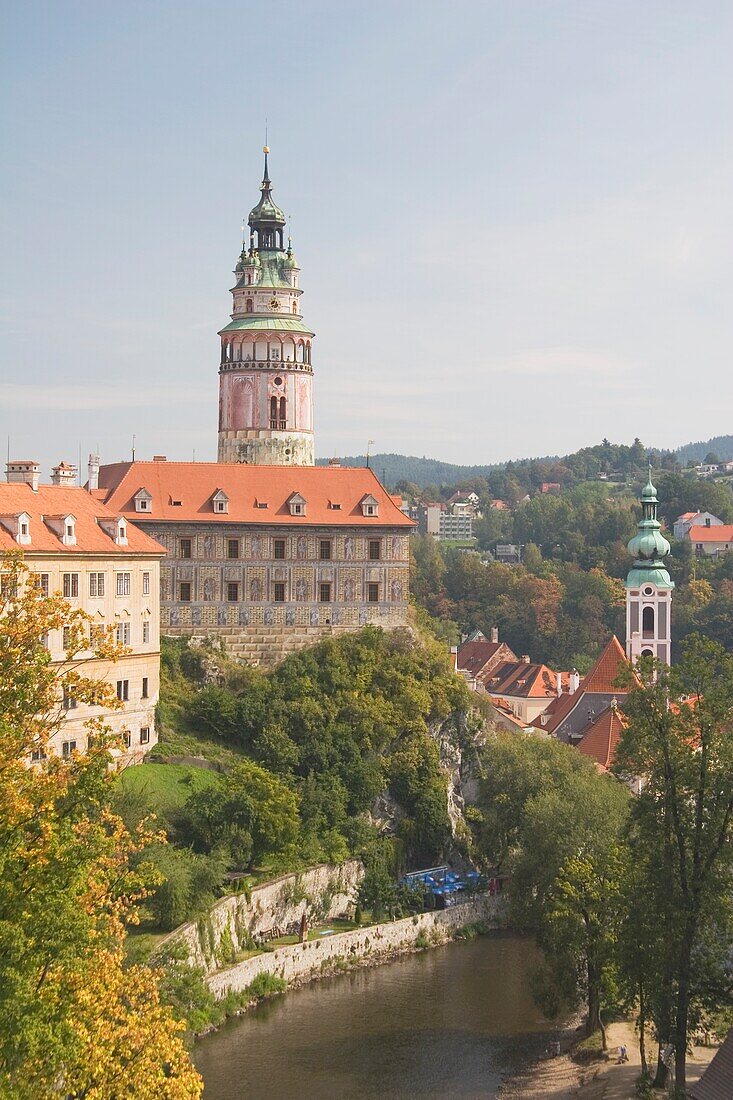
point(679, 740)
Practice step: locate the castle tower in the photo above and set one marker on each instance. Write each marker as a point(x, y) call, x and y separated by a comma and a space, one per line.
point(265, 374)
point(648, 586)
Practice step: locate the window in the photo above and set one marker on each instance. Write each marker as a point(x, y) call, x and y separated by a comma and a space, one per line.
point(67, 748)
point(126, 738)
point(233, 591)
point(185, 548)
point(24, 530)
point(249, 306)
point(44, 640)
point(279, 592)
point(221, 505)
point(123, 634)
point(295, 307)
point(144, 692)
point(647, 622)
point(185, 592)
point(42, 583)
point(68, 701)
point(146, 584)
point(69, 530)
point(97, 633)
point(145, 735)
point(279, 548)
point(146, 631)
point(123, 584)
point(375, 549)
point(37, 755)
point(324, 550)
point(123, 690)
point(65, 637)
point(232, 548)
point(142, 505)
point(324, 590)
point(71, 586)
point(96, 584)
point(373, 592)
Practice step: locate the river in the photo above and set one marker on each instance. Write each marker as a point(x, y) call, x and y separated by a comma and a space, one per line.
point(444, 1023)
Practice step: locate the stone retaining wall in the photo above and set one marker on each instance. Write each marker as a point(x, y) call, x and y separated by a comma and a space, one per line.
point(323, 892)
point(305, 962)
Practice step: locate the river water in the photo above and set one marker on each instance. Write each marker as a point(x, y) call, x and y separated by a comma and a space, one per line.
point(444, 1023)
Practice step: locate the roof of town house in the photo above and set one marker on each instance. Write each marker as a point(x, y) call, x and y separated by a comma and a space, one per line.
point(506, 716)
point(599, 681)
point(56, 501)
point(557, 711)
point(257, 494)
point(521, 679)
point(601, 738)
point(474, 656)
point(688, 515)
point(721, 533)
point(716, 1083)
point(602, 677)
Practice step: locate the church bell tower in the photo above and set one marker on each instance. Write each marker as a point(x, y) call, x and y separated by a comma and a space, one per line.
point(648, 586)
point(265, 372)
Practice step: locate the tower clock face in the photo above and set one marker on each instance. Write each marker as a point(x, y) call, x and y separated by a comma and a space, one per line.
point(274, 304)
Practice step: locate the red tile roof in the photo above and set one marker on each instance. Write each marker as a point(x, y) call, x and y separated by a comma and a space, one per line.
point(602, 736)
point(194, 483)
point(723, 532)
point(473, 657)
point(64, 500)
point(716, 1082)
point(602, 677)
point(521, 679)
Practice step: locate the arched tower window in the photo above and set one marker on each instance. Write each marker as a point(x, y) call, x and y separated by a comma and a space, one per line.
point(249, 308)
point(295, 307)
point(283, 416)
point(647, 622)
point(248, 278)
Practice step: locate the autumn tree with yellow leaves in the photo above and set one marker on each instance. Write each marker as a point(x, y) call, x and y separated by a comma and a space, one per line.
point(74, 1022)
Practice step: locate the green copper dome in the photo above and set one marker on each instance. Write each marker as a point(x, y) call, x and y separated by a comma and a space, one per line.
point(649, 547)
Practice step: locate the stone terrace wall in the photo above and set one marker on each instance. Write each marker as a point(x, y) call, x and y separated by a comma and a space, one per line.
point(304, 962)
point(325, 892)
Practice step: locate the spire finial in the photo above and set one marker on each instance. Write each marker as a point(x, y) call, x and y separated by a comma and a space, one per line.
point(266, 177)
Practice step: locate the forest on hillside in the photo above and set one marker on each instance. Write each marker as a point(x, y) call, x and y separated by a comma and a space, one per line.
point(393, 469)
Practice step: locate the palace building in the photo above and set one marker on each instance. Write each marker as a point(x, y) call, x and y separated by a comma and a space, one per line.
point(265, 550)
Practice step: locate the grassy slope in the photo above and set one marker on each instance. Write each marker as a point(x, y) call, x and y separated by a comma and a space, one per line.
point(165, 786)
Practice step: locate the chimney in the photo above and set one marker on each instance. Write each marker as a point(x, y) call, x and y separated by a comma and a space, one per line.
point(334, 462)
point(454, 655)
point(63, 474)
point(558, 678)
point(93, 472)
point(495, 634)
point(23, 472)
point(525, 659)
point(574, 681)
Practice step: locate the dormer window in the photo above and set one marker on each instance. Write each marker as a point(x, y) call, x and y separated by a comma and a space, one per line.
point(115, 527)
point(143, 501)
point(121, 538)
point(24, 529)
point(69, 536)
point(297, 505)
point(260, 504)
point(369, 505)
point(220, 502)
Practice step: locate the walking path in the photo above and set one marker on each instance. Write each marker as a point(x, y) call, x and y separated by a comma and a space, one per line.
point(563, 1079)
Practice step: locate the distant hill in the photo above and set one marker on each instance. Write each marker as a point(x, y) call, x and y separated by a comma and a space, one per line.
point(721, 445)
point(393, 468)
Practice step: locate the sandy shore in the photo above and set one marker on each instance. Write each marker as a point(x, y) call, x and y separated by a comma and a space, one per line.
point(561, 1078)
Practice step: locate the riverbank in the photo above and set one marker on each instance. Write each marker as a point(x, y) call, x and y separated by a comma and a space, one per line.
point(298, 964)
point(563, 1078)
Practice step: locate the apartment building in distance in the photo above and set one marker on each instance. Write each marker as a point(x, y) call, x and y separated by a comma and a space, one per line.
point(105, 566)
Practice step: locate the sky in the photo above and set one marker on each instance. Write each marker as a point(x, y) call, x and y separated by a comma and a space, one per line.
point(513, 219)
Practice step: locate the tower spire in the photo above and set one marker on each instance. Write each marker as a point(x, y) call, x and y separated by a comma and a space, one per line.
point(266, 176)
point(648, 585)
